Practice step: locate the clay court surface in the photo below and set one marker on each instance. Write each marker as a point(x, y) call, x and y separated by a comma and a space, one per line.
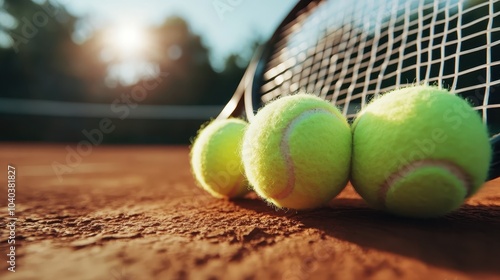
point(135, 213)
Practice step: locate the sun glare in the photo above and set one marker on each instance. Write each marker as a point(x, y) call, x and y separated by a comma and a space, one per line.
point(126, 48)
point(128, 40)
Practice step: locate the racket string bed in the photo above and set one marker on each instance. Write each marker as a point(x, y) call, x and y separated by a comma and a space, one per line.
point(350, 52)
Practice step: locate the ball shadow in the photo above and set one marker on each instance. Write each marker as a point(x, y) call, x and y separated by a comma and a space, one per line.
point(466, 240)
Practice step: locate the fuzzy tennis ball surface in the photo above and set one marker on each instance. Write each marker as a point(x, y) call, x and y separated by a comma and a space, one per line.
point(419, 151)
point(297, 152)
point(216, 160)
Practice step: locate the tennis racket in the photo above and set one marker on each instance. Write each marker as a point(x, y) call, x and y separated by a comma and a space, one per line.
point(348, 52)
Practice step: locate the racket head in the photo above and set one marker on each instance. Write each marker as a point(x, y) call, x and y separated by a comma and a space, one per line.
point(348, 52)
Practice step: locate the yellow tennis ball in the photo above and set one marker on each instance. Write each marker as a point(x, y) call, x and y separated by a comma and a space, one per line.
point(216, 161)
point(297, 152)
point(419, 151)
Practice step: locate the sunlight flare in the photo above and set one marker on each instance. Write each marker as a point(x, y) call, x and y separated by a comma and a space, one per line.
point(128, 40)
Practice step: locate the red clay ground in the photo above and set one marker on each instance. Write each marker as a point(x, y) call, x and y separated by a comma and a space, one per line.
point(135, 213)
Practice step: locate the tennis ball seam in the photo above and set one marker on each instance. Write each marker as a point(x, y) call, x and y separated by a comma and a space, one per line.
point(285, 149)
point(446, 165)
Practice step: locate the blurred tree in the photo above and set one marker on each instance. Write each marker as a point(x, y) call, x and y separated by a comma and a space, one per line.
point(183, 56)
point(39, 63)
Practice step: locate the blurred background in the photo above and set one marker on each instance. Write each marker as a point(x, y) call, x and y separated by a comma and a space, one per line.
point(138, 71)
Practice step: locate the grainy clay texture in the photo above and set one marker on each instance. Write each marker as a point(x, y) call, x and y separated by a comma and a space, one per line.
point(136, 213)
